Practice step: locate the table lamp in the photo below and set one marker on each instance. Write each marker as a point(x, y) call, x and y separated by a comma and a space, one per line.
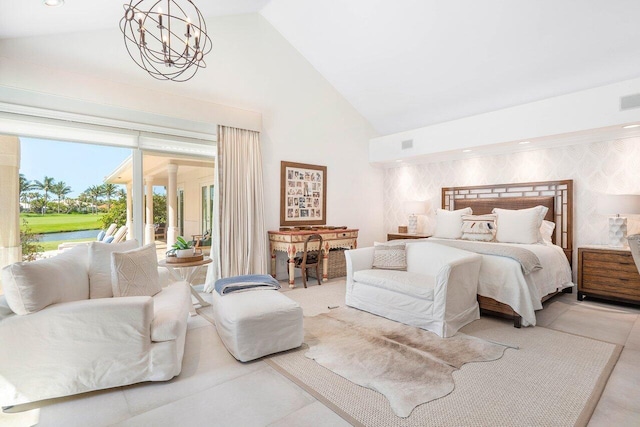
point(414, 208)
point(618, 204)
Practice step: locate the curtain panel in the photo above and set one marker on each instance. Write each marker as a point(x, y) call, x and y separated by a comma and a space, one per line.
point(239, 230)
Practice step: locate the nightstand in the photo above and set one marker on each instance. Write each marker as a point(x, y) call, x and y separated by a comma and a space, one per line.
point(608, 273)
point(398, 236)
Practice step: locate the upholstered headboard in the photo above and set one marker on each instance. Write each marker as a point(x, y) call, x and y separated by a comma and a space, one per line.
point(556, 195)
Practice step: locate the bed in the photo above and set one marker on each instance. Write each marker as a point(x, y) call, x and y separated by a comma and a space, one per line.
point(503, 289)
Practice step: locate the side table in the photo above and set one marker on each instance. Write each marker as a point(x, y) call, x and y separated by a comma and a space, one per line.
point(187, 272)
point(608, 273)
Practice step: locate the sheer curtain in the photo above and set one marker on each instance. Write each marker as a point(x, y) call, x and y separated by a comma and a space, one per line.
point(239, 229)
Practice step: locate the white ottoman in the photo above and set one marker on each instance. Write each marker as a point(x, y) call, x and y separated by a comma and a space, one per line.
point(256, 323)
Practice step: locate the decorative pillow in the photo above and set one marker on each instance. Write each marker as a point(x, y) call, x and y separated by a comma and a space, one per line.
point(100, 266)
point(31, 286)
point(546, 230)
point(390, 257)
point(449, 223)
point(135, 273)
point(479, 227)
point(520, 226)
point(101, 235)
point(108, 239)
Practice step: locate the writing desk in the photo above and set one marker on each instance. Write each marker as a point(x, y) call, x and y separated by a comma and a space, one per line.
point(291, 242)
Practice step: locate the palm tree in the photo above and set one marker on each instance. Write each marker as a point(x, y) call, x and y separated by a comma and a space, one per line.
point(60, 189)
point(25, 187)
point(109, 190)
point(95, 191)
point(46, 185)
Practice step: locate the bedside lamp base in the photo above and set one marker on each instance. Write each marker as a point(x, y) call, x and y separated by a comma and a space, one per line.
point(617, 231)
point(413, 224)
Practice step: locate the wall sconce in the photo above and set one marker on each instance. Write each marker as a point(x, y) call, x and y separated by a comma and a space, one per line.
point(415, 208)
point(617, 204)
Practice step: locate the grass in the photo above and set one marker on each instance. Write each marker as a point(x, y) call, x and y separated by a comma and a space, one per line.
point(53, 223)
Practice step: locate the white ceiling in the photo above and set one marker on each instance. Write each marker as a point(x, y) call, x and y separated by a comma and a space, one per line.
point(402, 64)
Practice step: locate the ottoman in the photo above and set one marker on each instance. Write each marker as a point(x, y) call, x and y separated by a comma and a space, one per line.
point(257, 323)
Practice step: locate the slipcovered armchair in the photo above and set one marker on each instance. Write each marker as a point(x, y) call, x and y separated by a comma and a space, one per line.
point(61, 334)
point(634, 245)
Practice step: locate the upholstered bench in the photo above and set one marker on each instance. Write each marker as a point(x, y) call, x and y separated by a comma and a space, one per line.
point(256, 323)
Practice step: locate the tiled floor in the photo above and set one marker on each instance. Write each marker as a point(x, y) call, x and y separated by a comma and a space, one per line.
point(216, 390)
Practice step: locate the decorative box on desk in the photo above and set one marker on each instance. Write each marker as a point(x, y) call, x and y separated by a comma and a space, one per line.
point(608, 273)
point(398, 236)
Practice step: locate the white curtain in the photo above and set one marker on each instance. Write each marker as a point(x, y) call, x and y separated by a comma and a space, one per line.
point(239, 231)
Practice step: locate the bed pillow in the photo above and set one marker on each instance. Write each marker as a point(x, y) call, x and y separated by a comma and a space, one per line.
point(390, 257)
point(520, 226)
point(135, 273)
point(449, 223)
point(546, 230)
point(479, 227)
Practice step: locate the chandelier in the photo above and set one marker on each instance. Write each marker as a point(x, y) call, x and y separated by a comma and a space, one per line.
point(161, 38)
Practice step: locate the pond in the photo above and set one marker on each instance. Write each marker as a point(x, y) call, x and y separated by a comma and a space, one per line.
point(69, 235)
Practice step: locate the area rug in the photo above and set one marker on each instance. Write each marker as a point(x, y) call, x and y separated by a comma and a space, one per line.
point(554, 378)
point(408, 365)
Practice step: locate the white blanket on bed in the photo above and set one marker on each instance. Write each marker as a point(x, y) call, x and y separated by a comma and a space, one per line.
point(502, 279)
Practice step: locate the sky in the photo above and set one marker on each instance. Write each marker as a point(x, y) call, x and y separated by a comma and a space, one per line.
point(79, 165)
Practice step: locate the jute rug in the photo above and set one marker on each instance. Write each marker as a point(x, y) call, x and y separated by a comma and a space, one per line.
point(553, 379)
point(409, 366)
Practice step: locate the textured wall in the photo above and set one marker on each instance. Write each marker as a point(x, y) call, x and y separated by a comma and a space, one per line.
point(603, 167)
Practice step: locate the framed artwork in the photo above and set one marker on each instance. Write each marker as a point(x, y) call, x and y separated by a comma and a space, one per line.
point(303, 194)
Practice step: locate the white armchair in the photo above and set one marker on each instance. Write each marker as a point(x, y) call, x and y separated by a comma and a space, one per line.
point(73, 344)
point(634, 245)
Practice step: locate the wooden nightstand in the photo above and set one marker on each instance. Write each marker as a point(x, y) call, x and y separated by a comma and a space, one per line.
point(608, 273)
point(398, 236)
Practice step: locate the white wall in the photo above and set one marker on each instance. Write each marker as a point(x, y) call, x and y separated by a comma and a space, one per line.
point(252, 68)
point(596, 168)
point(575, 112)
point(304, 120)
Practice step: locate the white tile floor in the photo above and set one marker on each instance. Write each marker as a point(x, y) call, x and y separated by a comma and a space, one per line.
point(216, 390)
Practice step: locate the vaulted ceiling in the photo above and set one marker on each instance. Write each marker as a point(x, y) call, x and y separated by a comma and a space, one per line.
point(402, 64)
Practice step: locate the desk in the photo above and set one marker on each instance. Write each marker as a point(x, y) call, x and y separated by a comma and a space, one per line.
point(187, 271)
point(292, 242)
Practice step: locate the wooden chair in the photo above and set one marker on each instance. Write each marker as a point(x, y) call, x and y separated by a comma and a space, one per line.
point(310, 258)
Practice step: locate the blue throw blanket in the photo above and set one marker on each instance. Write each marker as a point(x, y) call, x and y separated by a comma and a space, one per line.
point(246, 283)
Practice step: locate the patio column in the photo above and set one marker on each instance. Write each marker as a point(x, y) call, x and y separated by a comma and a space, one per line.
point(129, 223)
point(10, 248)
point(172, 202)
point(149, 229)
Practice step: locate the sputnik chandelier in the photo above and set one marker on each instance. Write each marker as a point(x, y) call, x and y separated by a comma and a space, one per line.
point(161, 38)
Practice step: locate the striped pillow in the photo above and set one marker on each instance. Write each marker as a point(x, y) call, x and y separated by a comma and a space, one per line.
point(390, 257)
point(479, 227)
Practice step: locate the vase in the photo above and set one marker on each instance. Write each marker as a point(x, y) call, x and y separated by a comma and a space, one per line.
point(184, 253)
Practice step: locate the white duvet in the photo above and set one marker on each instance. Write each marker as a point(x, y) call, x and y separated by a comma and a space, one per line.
point(502, 279)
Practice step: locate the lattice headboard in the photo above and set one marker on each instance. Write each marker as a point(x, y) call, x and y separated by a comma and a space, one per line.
point(556, 195)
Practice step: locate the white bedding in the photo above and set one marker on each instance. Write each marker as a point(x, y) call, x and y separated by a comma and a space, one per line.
point(502, 279)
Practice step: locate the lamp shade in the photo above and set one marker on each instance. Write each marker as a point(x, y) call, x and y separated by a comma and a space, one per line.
point(416, 207)
point(615, 204)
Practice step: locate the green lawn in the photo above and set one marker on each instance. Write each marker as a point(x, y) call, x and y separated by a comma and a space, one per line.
point(52, 223)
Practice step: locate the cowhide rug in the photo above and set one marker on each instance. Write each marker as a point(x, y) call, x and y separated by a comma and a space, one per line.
point(408, 365)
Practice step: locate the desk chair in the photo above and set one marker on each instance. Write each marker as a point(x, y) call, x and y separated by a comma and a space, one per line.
point(310, 258)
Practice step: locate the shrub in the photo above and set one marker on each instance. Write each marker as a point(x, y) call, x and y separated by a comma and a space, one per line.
point(30, 242)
